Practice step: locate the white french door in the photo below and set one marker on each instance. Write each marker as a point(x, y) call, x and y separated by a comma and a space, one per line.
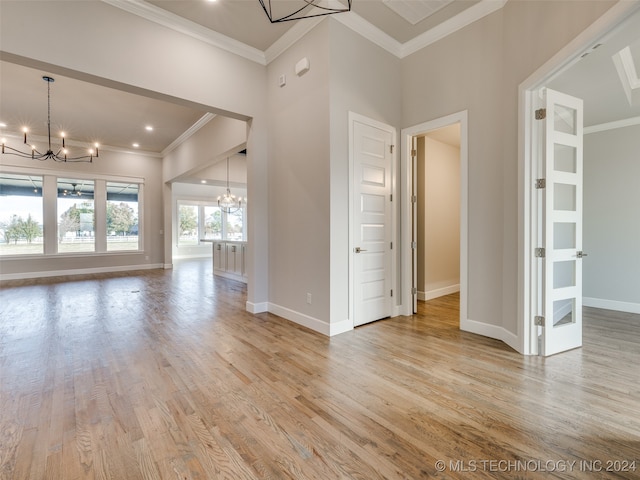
point(371, 220)
point(561, 320)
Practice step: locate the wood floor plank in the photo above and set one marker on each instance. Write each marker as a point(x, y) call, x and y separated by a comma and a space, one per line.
point(163, 375)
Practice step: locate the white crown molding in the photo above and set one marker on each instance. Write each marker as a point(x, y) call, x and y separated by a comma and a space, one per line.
point(351, 20)
point(452, 25)
point(369, 31)
point(291, 36)
point(602, 127)
point(202, 121)
point(179, 24)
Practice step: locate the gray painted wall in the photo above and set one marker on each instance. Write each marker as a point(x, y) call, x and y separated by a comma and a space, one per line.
point(479, 69)
point(364, 79)
point(438, 166)
point(611, 229)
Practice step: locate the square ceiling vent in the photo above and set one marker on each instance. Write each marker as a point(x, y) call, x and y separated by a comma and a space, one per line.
point(414, 11)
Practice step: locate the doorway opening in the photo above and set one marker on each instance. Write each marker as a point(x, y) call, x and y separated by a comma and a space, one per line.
point(579, 52)
point(437, 226)
point(435, 192)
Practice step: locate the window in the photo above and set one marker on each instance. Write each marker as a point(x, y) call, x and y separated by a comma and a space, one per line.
point(203, 221)
point(235, 225)
point(122, 216)
point(21, 217)
point(31, 204)
point(188, 225)
point(76, 225)
point(212, 223)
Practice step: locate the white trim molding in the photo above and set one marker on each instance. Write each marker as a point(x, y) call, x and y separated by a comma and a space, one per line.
point(257, 307)
point(492, 331)
point(406, 180)
point(438, 292)
point(627, 307)
point(627, 122)
point(452, 25)
point(201, 122)
point(179, 24)
point(79, 271)
point(351, 20)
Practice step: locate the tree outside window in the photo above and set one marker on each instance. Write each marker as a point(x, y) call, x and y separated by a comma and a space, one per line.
point(188, 223)
point(76, 226)
point(122, 216)
point(21, 213)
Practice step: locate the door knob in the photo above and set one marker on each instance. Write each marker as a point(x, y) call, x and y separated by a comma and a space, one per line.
point(581, 254)
point(358, 250)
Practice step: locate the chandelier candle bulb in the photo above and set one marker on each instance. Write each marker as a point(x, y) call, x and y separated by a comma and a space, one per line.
point(49, 154)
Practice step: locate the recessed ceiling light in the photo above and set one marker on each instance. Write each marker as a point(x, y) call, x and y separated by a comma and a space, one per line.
point(149, 128)
point(203, 181)
point(3, 125)
point(136, 145)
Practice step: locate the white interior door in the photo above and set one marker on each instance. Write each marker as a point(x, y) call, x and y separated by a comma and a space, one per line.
point(562, 271)
point(371, 227)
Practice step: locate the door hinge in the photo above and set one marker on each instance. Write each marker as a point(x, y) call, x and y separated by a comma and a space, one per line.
point(390, 245)
point(540, 252)
point(541, 183)
point(414, 153)
point(541, 114)
point(538, 320)
point(391, 197)
point(414, 199)
point(392, 293)
point(391, 148)
point(414, 291)
point(413, 245)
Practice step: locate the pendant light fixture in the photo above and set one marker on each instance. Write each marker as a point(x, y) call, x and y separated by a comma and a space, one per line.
point(302, 9)
point(62, 155)
point(228, 202)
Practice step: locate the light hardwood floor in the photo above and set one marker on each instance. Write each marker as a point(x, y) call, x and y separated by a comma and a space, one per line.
point(162, 374)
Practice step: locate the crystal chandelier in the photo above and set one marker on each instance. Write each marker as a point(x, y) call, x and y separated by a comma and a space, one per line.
point(304, 9)
point(62, 155)
point(228, 202)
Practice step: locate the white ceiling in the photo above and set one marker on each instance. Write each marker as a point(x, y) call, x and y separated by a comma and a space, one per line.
point(90, 113)
point(595, 79)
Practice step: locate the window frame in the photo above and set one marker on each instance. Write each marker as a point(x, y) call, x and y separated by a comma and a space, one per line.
point(50, 211)
point(201, 204)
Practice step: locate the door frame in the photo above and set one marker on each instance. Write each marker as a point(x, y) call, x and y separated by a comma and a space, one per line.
point(528, 163)
point(353, 117)
point(406, 176)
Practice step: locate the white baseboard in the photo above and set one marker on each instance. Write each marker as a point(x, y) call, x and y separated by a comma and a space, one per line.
point(626, 307)
point(259, 307)
point(168, 266)
point(438, 292)
point(491, 331)
point(336, 328)
point(315, 324)
point(301, 319)
point(78, 271)
point(563, 311)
